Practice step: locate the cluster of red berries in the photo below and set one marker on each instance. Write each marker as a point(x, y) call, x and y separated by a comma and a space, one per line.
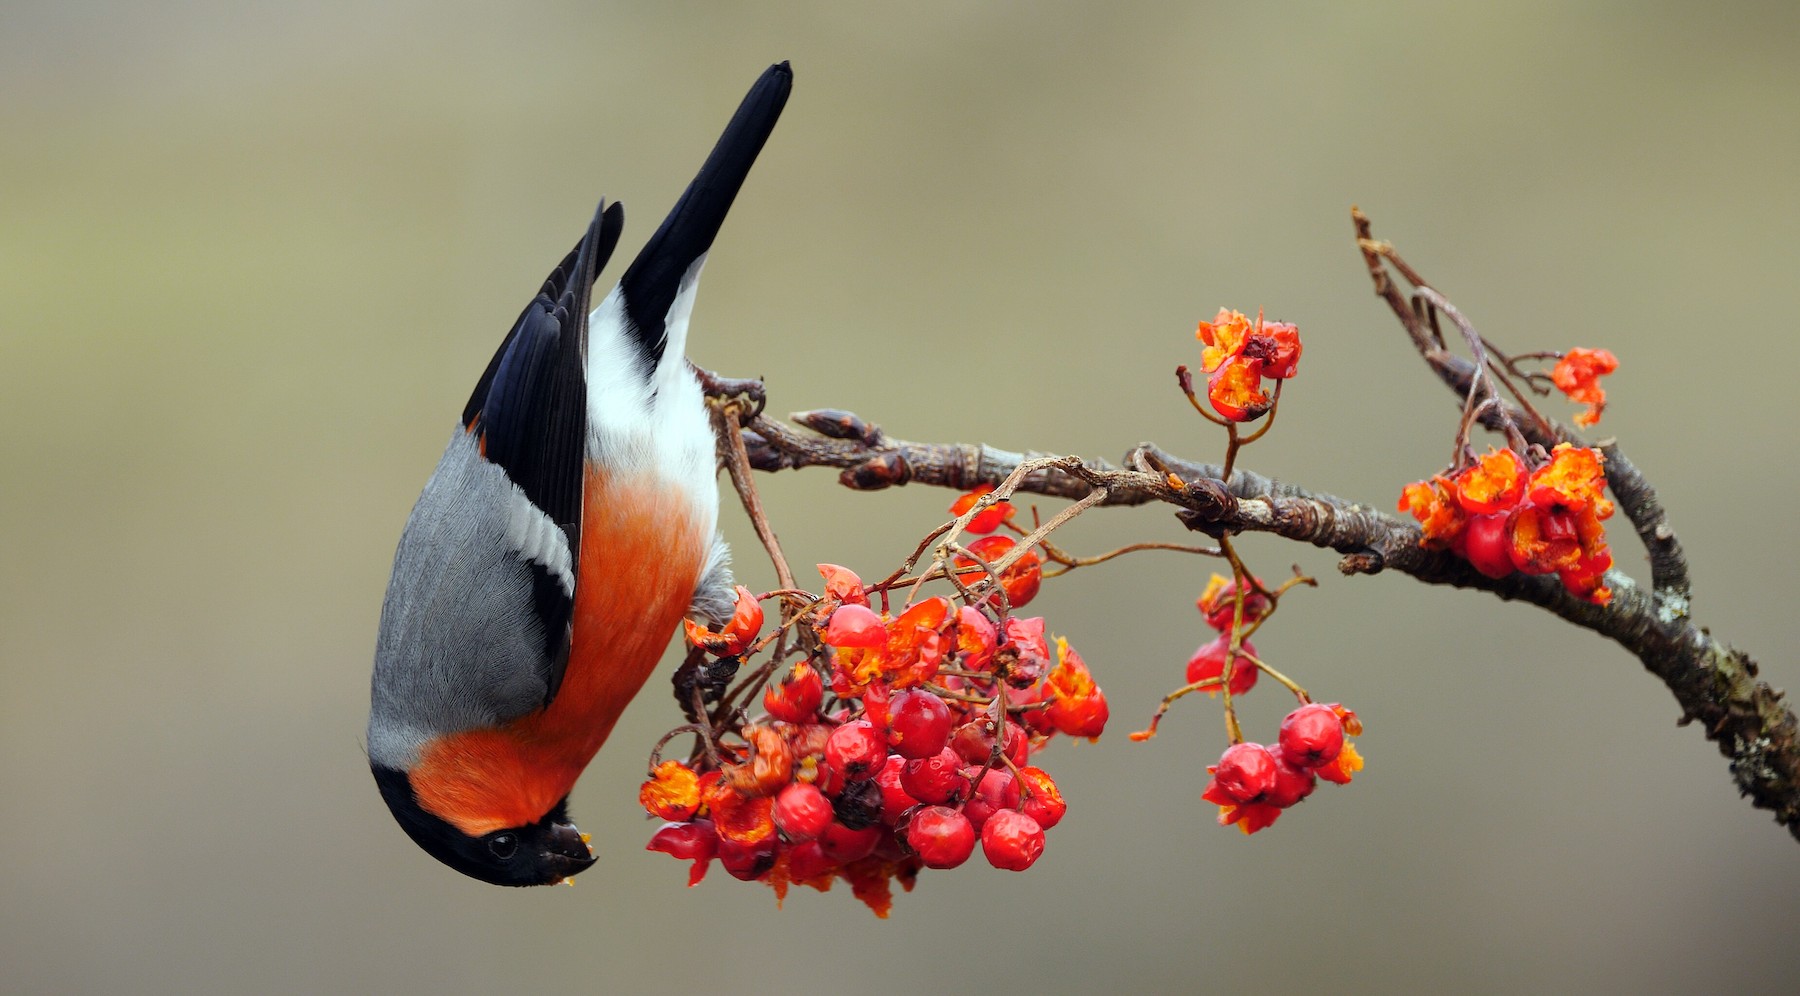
point(1218, 604)
point(1253, 783)
point(1239, 355)
point(900, 744)
point(1503, 516)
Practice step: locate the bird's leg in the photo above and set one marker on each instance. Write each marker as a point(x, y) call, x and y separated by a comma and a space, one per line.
point(724, 388)
point(699, 682)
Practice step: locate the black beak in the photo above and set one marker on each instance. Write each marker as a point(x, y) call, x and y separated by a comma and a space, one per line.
point(566, 851)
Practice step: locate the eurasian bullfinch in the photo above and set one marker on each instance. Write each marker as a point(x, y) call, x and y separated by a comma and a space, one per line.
point(569, 527)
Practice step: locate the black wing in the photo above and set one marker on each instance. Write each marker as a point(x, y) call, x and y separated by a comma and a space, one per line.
point(530, 410)
point(649, 285)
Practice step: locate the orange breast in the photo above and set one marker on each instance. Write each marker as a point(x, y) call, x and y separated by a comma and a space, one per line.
point(642, 549)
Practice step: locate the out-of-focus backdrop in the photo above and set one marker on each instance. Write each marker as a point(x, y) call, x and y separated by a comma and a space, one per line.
point(253, 256)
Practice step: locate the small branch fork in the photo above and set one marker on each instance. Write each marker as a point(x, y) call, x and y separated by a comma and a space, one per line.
point(1715, 685)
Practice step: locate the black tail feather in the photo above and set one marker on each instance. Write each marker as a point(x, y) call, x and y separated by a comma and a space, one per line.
point(650, 284)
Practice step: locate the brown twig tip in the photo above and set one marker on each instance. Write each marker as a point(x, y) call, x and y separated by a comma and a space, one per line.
point(884, 470)
point(834, 423)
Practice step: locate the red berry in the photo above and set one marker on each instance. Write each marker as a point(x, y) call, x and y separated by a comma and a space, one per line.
point(808, 860)
point(694, 841)
point(1218, 603)
point(1025, 637)
point(1291, 783)
point(895, 800)
point(1487, 544)
point(801, 812)
point(997, 790)
point(843, 845)
point(856, 748)
point(796, 699)
point(855, 626)
point(842, 584)
point(1209, 662)
point(1012, 840)
point(918, 724)
point(1244, 772)
point(976, 638)
point(1044, 803)
point(828, 780)
point(1018, 745)
point(974, 741)
point(1021, 580)
point(940, 836)
point(875, 706)
point(687, 841)
point(935, 780)
point(747, 862)
point(1312, 735)
point(891, 847)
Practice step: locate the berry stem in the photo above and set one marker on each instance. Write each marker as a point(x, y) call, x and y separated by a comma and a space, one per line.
point(1299, 693)
point(1169, 700)
point(1274, 406)
point(1185, 378)
point(1070, 561)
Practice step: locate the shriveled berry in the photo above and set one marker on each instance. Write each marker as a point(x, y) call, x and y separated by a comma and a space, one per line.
point(976, 638)
point(1244, 772)
point(1209, 662)
point(918, 723)
point(1012, 840)
point(935, 780)
point(940, 836)
point(859, 804)
point(1026, 653)
point(1077, 705)
point(801, 812)
point(1312, 735)
point(685, 840)
point(856, 748)
point(693, 841)
point(842, 584)
point(1042, 800)
point(796, 699)
point(855, 626)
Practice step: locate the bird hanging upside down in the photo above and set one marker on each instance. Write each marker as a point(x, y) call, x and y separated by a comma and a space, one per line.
point(569, 527)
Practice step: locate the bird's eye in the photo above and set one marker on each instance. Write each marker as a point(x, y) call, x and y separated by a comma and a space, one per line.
point(503, 846)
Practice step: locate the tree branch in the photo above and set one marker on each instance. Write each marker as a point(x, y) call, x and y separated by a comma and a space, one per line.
point(1715, 685)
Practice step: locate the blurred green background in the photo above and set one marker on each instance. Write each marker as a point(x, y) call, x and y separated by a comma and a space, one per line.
point(253, 256)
